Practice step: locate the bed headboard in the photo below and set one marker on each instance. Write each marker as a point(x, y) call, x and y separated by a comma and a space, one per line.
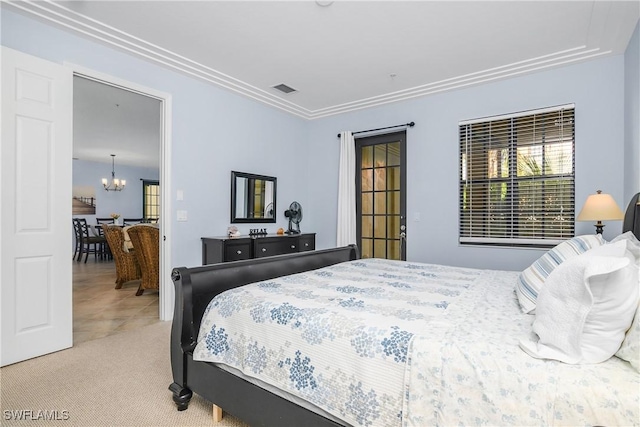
point(632, 216)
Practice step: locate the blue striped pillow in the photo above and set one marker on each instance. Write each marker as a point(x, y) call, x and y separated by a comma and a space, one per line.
point(531, 280)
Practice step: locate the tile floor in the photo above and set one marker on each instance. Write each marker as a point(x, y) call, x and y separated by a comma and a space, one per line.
point(100, 310)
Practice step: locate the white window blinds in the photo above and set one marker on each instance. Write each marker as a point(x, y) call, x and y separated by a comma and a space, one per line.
point(517, 182)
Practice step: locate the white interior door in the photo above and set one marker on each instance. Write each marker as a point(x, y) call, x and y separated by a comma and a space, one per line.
point(35, 230)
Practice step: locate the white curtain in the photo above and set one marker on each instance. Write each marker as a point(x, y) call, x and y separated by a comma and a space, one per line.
point(347, 191)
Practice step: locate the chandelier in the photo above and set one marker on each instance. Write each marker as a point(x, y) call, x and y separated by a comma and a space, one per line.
point(115, 184)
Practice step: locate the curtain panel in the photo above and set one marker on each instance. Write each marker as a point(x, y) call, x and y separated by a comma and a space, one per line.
point(346, 234)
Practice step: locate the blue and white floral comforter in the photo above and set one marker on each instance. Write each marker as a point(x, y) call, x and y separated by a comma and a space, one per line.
point(387, 343)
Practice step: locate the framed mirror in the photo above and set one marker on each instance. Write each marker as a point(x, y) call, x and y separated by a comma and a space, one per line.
point(253, 198)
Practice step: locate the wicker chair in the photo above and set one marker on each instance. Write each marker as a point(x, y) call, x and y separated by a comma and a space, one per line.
point(127, 267)
point(146, 246)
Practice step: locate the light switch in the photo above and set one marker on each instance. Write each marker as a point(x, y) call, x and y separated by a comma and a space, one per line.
point(179, 195)
point(181, 215)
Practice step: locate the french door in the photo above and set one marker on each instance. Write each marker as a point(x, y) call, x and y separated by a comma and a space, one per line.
point(380, 196)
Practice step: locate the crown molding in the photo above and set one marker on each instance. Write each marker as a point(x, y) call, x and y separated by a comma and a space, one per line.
point(556, 59)
point(60, 15)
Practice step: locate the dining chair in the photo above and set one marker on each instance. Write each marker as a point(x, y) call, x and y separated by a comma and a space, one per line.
point(78, 234)
point(105, 220)
point(100, 221)
point(146, 247)
point(132, 221)
point(89, 242)
point(127, 267)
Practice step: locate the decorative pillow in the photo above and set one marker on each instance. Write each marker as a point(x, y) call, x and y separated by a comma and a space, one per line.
point(126, 245)
point(532, 279)
point(586, 306)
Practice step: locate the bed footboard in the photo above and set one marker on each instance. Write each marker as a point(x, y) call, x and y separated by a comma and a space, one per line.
point(195, 287)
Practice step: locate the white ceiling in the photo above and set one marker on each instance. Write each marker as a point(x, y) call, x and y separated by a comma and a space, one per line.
point(351, 54)
point(108, 120)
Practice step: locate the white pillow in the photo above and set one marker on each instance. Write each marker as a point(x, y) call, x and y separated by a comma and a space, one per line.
point(586, 306)
point(532, 279)
point(630, 348)
point(633, 244)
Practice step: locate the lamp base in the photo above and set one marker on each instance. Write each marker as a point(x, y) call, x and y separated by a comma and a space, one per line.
point(599, 227)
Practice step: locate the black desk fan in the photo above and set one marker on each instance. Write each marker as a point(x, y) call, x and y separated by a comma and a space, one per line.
point(294, 213)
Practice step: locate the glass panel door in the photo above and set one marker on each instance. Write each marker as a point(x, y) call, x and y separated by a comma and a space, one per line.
point(380, 196)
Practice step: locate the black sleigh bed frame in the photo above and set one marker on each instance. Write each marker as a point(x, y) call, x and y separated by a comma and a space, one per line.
point(195, 287)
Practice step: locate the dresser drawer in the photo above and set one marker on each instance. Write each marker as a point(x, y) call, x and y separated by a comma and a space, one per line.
point(236, 251)
point(307, 242)
point(271, 247)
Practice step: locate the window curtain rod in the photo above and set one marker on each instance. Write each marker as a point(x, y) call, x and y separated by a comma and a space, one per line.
point(411, 124)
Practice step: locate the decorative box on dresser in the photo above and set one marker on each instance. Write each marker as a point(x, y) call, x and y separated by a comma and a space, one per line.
point(225, 249)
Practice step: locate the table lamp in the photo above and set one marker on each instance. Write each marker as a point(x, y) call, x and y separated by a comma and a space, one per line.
point(600, 207)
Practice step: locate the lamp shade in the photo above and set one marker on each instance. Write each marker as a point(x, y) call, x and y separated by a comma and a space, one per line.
point(600, 207)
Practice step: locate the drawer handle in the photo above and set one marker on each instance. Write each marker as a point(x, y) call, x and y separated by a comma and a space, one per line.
point(264, 249)
point(306, 244)
point(293, 246)
point(239, 252)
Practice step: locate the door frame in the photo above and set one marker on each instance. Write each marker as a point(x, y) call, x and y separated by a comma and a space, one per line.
point(165, 286)
point(372, 140)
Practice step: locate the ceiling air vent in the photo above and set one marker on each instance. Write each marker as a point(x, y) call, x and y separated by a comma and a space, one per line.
point(284, 88)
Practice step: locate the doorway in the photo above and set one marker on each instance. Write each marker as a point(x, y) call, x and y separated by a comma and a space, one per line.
point(142, 146)
point(381, 196)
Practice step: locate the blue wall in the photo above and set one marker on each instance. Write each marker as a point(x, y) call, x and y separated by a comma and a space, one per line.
point(596, 88)
point(216, 131)
point(632, 116)
point(127, 203)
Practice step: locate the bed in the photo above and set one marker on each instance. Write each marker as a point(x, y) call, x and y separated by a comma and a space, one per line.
point(325, 338)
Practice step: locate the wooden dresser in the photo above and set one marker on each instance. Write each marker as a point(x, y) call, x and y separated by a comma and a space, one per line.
point(225, 249)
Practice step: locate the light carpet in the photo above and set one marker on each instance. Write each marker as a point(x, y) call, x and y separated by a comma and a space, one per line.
point(119, 380)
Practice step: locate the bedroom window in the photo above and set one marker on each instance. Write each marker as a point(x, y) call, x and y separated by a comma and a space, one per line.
point(517, 184)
